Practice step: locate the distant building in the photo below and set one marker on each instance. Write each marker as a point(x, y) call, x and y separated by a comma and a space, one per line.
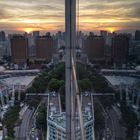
point(80, 39)
point(137, 35)
point(44, 48)
point(4, 49)
point(48, 34)
point(94, 47)
point(2, 36)
point(107, 51)
point(137, 52)
point(19, 50)
point(59, 40)
point(36, 34)
point(120, 49)
point(59, 35)
point(103, 33)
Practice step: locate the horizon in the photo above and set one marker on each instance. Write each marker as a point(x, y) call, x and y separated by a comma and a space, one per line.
point(110, 15)
point(43, 32)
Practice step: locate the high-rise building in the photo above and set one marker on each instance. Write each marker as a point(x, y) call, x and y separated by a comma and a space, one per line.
point(2, 36)
point(103, 33)
point(137, 35)
point(19, 49)
point(36, 34)
point(44, 48)
point(120, 49)
point(94, 46)
point(48, 34)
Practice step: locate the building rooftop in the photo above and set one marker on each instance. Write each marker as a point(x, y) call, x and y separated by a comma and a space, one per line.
point(21, 80)
point(58, 118)
point(22, 71)
point(117, 80)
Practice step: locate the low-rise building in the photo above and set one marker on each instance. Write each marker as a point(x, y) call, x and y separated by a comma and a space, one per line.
point(57, 118)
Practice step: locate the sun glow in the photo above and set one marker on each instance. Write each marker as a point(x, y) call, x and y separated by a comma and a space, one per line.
point(111, 30)
point(28, 30)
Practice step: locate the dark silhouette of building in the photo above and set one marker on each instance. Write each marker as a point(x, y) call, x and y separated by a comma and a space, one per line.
point(103, 33)
point(120, 49)
point(36, 34)
point(137, 35)
point(19, 49)
point(2, 36)
point(44, 48)
point(94, 47)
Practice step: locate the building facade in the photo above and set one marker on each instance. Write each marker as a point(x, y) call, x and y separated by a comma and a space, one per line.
point(57, 118)
point(19, 50)
point(2, 36)
point(94, 47)
point(103, 33)
point(137, 35)
point(120, 49)
point(44, 48)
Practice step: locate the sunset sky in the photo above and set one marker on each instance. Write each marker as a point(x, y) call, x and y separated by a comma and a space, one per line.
point(48, 15)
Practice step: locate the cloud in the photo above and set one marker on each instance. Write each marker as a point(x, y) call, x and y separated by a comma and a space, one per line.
point(50, 14)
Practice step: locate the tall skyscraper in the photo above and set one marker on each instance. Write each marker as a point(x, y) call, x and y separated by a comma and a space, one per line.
point(44, 48)
point(120, 49)
point(19, 50)
point(94, 46)
point(2, 36)
point(137, 35)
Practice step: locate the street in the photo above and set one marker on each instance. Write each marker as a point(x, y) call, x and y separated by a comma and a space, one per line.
point(24, 128)
point(116, 130)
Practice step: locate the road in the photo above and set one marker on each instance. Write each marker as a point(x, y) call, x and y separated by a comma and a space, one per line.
point(24, 128)
point(35, 134)
point(114, 126)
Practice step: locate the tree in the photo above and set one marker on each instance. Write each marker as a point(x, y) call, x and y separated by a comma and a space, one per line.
point(8, 138)
point(130, 120)
point(41, 119)
point(82, 72)
point(10, 119)
point(85, 85)
point(58, 72)
point(54, 85)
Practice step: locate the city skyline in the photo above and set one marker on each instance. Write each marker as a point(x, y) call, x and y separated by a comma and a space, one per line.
point(45, 15)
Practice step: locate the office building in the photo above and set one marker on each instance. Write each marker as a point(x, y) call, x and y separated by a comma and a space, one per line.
point(103, 33)
point(137, 35)
point(120, 49)
point(2, 36)
point(44, 48)
point(19, 50)
point(36, 34)
point(94, 47)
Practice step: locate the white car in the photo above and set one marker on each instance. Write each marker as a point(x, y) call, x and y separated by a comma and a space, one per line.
point(1, 132)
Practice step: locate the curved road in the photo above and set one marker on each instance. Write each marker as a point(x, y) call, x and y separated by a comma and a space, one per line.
point(116, 128)
point(24, 128)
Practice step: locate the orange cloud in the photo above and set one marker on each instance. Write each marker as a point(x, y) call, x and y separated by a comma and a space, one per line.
point(33, 15)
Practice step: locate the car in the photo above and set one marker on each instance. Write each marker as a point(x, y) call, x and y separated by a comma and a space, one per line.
point(33, 129)
point(1, 131)
point(108, 132)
